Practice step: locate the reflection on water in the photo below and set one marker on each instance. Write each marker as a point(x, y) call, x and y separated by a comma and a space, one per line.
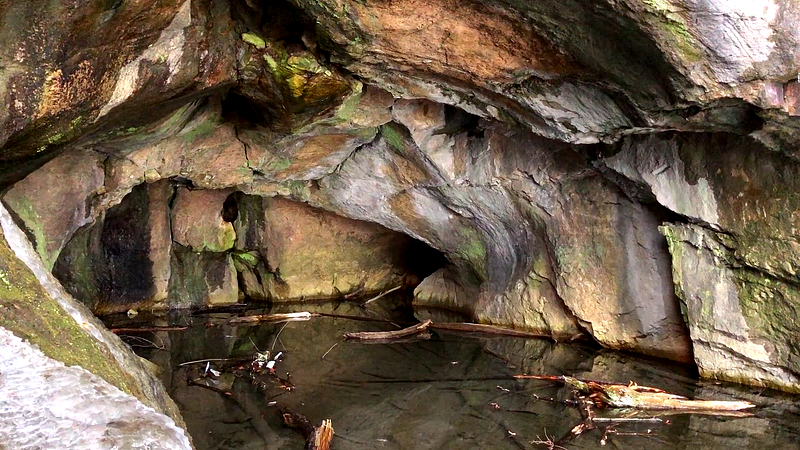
point(449, 392)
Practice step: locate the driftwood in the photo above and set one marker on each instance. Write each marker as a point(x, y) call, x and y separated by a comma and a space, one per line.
point(639, 397)
point(317, 438)
point(495, 330)
point(458, 327)
point(119, 330)
point(388, 335)
point(286, 317)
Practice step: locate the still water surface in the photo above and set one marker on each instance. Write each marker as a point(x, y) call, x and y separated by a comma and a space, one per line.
point(452, 391)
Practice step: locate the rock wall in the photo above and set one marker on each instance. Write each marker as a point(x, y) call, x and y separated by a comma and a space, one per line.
point(623, 170)
point(35, 311)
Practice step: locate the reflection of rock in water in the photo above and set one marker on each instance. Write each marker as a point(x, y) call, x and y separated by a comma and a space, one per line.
point(436, 394)
point(48, 405)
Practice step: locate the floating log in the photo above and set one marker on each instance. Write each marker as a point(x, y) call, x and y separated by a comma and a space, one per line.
point(388, 335)
point(639, 397)
point(286, 317)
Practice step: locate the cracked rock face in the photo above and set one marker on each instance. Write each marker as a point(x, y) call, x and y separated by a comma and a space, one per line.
point(622, 170)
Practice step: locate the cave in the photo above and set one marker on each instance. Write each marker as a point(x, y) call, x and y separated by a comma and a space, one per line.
point(166, 246)
point(619, 180)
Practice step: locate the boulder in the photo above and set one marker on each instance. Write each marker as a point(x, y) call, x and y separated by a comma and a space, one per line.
point(310, 253)
point(743, 323)
point(61, 83)
point(35, 308)
point(53, 202)
point(202, 279)
point(122, 261)
point(49, 405)
point(198, 222)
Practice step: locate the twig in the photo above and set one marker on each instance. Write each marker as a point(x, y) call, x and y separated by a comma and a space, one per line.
point(198, 361)
point(354, 293)
point(329, 350)
point(143, 329)
point(134, 340)
point(275, 341)
point(378, 335)
point(381, 295)
point(627, 419)
point(548, 441)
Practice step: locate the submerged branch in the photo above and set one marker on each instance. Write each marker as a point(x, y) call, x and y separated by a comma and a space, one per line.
point(384, 335)
point(640, 397)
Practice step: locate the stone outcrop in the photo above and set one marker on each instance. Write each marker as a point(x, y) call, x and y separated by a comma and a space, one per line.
point(310, 253)
point(585, 168)
point(70, 407)
point(51, 211)
point(35, 308)
point(197, 221)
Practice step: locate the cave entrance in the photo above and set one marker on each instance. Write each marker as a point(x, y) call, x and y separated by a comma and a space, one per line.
point(287, 251)
point(168, 245)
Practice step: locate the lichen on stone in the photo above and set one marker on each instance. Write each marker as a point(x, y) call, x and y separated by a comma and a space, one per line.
point(254, 40)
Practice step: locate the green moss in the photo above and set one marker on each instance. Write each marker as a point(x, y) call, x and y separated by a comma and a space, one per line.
point(675, 246)
point(351, 103)
point(202, 129)
point(30, 313)
point(301, 77)
point(33, 225)
point(223, 241)
point(675, 28)
point(298, 189)
point(473, 250)
point(249, 259)
point(768, 305)
point(254, 40)
point(392, 135)
point(278, 164)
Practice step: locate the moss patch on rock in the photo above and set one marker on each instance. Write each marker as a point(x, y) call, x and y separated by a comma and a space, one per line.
point(28, 311)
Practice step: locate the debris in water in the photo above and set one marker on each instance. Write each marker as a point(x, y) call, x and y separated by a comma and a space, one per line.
point(632, 395)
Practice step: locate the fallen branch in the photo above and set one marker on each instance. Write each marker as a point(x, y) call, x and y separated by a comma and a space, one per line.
point(381, 295)
point(286, 317)
point(317, 438)
point(423, 336)
point(236, 307)
point(490, 329)
point(639, 397)
point(143, 329)
point(395, 334)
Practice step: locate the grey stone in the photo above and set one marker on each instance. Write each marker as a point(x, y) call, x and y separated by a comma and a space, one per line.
point(743, 324)
point(49, 405)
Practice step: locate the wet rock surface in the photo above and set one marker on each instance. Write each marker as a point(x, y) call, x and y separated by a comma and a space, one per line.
point(35, 307)
point(49, 405)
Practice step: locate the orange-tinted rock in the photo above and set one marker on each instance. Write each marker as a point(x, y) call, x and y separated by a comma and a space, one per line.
point(197, 220)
